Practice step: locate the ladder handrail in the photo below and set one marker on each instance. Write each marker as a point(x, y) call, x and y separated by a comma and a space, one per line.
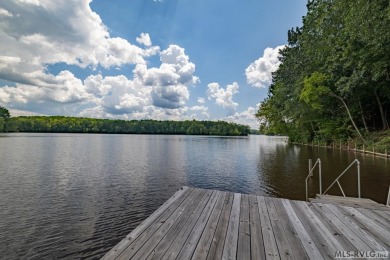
point(311, 169)
point(388, 198)
point(337, 179)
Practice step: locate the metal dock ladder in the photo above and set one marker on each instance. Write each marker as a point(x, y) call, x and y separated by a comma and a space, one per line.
point(323, 197)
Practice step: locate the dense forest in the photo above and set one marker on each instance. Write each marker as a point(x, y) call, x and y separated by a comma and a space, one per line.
point(61, 124)
point(334, 79)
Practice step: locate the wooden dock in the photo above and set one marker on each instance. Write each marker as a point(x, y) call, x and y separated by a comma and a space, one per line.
point(210, 224)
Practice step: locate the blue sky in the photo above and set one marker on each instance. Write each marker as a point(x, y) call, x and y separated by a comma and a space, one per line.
point(140, 59)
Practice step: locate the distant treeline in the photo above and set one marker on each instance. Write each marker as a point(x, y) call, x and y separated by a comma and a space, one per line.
point(61, 124)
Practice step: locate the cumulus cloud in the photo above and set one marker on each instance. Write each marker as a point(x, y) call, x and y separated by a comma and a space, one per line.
point(67, 89)
point(151, 93)
point(175, 57)
point(117, 95)
point(223, 97)
point(144, 39)
point(259, 73)
point(174, 96)
point(4, 12)
point(58, 32)
point(72, 34)
point(203, 110)
point(171, 80)
point(246, 117)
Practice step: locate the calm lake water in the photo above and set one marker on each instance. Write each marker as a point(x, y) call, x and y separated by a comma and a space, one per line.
point(74, 196)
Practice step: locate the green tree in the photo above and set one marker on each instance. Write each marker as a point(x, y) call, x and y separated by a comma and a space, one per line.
point(334, 74)
point(2, 124)
point(4, 116)
point(4, 113)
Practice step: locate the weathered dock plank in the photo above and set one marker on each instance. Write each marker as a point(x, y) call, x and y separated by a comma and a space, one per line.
point(165, 243)
point(349, 202)
point(306, 240)
point(192, 240)
point(218, 241)
point(344, 241)
point(330, 238)
point(230, 247)
point(170, 204)
point(347, 199)
point(355, 239)
point(314, 232)
point(182, 236)
point(383, 214)
point(271, 248)
point(373, 227)
point(285, 251)
point(208, 224)
point(244, 236)
point(372, 243)
point(257, 243)
point(375, 217)
point(204, 244)
point(155, 230)
point(292, 236)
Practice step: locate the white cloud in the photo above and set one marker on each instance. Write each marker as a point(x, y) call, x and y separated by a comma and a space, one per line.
point(170, 81)
point(259, 73)
point(200, 109)
point(71, 33)
point(223, 97)
point(66, 88)
point(175, 56)
point(117, 95)
point(165, 75)
point(151, 93)
point(118, 52)
point(32, 2)
point(4, 12)
point(144, 39)
point(174, 96)
point(58, 32)
point(246, 117)
point(201, 100)
point(97, 85)
point(16, 112)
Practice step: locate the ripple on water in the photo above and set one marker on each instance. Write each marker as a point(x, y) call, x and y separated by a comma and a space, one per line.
point(76, 196)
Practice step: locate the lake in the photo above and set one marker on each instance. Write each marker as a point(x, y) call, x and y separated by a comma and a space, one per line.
point(74, 196)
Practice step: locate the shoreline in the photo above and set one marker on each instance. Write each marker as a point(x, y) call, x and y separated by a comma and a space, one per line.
point(348, 148)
